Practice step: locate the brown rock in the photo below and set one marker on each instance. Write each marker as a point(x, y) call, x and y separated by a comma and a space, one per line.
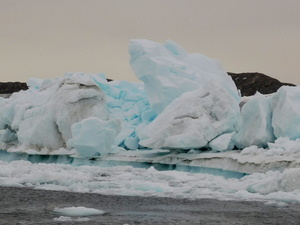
point(250, 83)
point(11, 87)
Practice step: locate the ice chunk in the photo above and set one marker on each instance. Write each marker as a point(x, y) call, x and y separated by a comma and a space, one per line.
point(223, 142)
point(255, 127)
point(168, 71)
point(131, 143)
point(290, 180)
point(275, 181)
point(49, 125)
point(127, 102)
point(286, 112)
point(127, 180)
point(7, 135)
point(93, 136)
point(193, 120)
point(67, 219)
point(37, 83)
point(284, 145)
point(78, 211)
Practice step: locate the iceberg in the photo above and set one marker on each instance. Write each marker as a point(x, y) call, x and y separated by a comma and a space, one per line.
point(193, 120)
point(185, 101)
point(186, 104)
point(223, 142)
point(168, 71)
point(286, 112)
point(93, 136)
point(42, 118)
point(255, 128)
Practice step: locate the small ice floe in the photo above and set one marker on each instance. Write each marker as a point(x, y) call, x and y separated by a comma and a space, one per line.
point(276, 204)
point(67, 219)
point(78, 211)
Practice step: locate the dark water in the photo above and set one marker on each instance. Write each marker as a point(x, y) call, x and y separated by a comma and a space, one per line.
point(29, 206)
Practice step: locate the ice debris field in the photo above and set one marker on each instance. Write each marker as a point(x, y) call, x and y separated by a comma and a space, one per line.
point(183, 132)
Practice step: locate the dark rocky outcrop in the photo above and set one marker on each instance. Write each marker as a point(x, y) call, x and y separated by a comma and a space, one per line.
point(7, 88)
point(250, 83)
point(11, 87)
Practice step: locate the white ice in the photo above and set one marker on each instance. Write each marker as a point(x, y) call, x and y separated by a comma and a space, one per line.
point(168, 71)
point(286, 112)
point(43, 117)
point(78, 211)
point(68, 219)
point(193, 119)
point(186, 101)
point(125, 180)
point(256, 124)
point(93, 136)
point(197, 104)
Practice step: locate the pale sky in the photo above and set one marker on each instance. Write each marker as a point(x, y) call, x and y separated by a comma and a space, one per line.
point(46, 38)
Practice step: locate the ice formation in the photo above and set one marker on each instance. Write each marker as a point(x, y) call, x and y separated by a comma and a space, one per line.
point(126, 180)
point(186, 101)
point(186, 104)
point(78, 211)
point(255, 128)
point(286, 112)
point(43, 117)
point(93, 136)
point(193, 120)
point(168, 71)
point(68, 219)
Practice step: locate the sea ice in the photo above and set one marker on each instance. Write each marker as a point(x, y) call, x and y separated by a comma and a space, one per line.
point(78, 211)
point(282, 186)
point(68, 219)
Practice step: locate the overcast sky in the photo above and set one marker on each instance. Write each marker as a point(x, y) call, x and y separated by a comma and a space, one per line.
point(46, 38)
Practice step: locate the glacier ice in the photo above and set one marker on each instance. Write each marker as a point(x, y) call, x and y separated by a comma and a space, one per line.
point(223, 142)
point(286, 112)
point(185, 101)
point(168, 71)
point(193, 119)
point(93, 136)
point(255, 128)
point(50, 124)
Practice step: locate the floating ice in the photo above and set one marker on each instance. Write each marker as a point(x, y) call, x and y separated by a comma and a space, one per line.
point(125, 180)
point(193, 119)
point(255, 127)
point(93, 136)
point(78, 211)
point(194, 104)
point(68, 219)
point(168, 71)
point(223, 142)
point(286, 112)
point(43, 117)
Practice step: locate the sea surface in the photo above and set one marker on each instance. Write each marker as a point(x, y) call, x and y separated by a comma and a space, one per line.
point(29, 206)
